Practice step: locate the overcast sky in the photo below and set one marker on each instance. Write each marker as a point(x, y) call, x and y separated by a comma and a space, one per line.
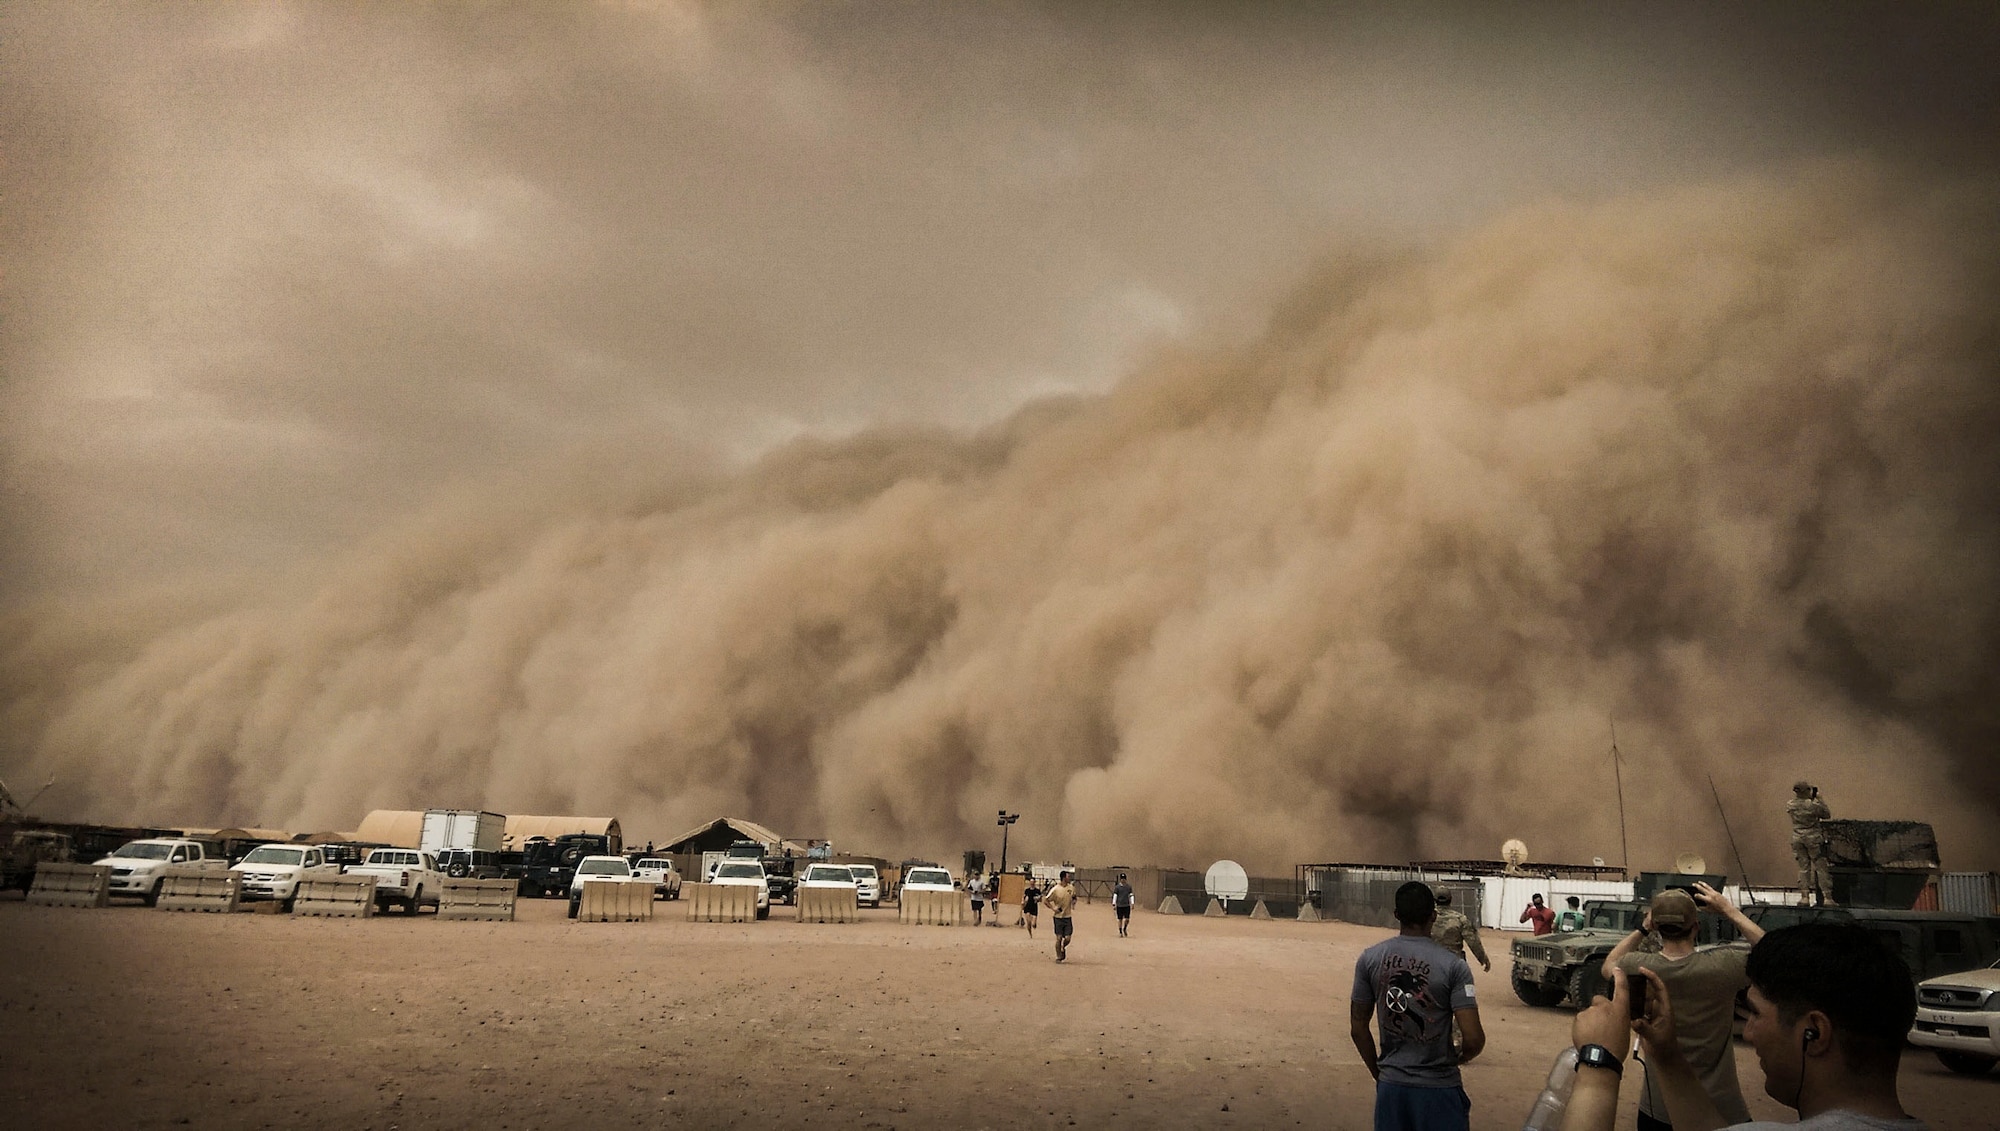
point(277, 273)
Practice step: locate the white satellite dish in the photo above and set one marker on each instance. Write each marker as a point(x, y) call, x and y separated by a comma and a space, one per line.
point(1690, 864)
point(1597, 861)
point(1515, 854)
point(1226, 880)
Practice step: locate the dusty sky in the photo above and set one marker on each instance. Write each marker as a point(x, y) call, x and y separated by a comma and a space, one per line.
point(292, 289)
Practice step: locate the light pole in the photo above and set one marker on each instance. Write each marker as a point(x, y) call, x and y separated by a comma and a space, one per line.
point(1006, 821)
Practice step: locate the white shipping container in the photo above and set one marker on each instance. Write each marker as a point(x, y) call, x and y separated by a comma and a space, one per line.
point(463, 830)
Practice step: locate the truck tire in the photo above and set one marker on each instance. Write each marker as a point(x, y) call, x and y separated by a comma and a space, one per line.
point(1535, 994)
point(1966, 1063)
point(575, 905)
point(152, 898)
point(459, 869)
point(1583, 985)
point(416, 901)
point(764, 912)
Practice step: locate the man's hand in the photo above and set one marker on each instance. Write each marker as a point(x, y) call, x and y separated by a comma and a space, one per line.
point(1608, 1021)
point(1656, 1028)
point(1712, 899)
point(1646, 924)
point(1486, 965)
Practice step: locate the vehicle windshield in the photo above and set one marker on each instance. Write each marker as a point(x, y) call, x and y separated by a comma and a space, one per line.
point(827, 873)
point(740, 872)
point(862, 871)
point(270, 855)
point(142, 851)
point(604, 868)
point(928, 876)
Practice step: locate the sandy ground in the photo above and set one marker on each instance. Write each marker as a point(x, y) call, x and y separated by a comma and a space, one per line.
point(131, 1017)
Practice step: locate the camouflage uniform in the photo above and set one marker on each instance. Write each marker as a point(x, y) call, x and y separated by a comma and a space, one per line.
point(1454, 932)
point(1808, 841)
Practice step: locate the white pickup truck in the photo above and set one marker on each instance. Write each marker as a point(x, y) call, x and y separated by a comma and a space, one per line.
point(135, 866)
point(402, 876)
point(273, 871)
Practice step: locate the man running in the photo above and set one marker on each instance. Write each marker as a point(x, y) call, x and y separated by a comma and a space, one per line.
point(1061, 898)
point(1121, 903)
point(1031, 904)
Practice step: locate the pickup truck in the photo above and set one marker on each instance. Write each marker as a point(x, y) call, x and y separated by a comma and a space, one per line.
point(746, 873)
point(661, 873)
point(273, 871)
point(600, 869)
point(402, 875)
point(135, 866)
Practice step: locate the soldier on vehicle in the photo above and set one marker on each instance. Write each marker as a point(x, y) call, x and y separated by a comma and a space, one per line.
point(1806, 811)
point(1454, 931)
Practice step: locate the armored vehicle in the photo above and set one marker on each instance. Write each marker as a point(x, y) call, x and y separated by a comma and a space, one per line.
point(1568, 965)
point(25, 848)
point(548, 866)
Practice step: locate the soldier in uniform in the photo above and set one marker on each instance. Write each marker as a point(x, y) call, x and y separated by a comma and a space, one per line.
point(1806, 811)
point(1454, 931)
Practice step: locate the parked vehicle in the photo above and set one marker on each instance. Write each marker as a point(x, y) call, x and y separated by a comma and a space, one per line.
point(403, 877)
point(778, 871)
point(827, 876)
point(26, 848)
point(477, 864)
point(598, 869)
point(548, 866)
point(1567, 966)
point(273, 871)
point(346, 854)
point(867, 884)
point(1933, 943)
point(746, 873)
point(135, 867)
point(1958, 1018)
point(661, 873)
point(460, 830)
point(928, 879)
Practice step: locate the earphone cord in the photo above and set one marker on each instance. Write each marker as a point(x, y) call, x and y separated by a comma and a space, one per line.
point(1799, 1093)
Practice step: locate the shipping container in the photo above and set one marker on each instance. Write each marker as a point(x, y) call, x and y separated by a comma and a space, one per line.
point(463, 830)
point(1968, 893)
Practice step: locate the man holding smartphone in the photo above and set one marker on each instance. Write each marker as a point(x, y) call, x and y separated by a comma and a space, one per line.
point(1704, 982)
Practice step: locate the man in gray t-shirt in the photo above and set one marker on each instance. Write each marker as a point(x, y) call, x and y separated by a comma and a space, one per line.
point(1413, 989)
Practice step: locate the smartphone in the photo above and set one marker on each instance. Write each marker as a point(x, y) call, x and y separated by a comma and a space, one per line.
point(1637, 985)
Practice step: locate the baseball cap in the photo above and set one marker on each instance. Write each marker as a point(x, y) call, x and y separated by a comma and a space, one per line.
point(1674, 907)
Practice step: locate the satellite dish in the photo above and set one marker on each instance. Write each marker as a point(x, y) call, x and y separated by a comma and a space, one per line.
point(1226, 879)
point(1690, 864)
point(1597, 861)
point(1515, 854)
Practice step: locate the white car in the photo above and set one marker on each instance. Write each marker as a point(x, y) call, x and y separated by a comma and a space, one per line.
point(867, 884)
point(661, 873)
point(928, 879)
point(1958, 1018)
point(135, 866)
point(273, 871)
point(746, 873)
point(827, 876)
point(597, 869)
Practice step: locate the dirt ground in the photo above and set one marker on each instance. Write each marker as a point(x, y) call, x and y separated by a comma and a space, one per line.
point(139, 1018)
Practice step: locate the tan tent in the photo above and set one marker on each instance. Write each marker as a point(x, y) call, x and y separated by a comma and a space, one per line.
point(720, 833)
point(522, 829)
point(399, 827)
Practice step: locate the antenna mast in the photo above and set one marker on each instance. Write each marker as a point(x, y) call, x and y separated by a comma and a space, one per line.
point(1740, 869)
point(1618, 775)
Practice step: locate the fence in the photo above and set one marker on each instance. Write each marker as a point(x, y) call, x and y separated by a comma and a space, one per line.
point(1968, 893)
point(1281, 896)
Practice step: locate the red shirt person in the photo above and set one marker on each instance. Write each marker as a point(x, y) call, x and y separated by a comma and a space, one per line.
point(1543, 917)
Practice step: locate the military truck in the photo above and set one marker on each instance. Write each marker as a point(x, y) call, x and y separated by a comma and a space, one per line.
point(1568, 966)
point(22, 849)
point(1931, 942)
point(548, 866)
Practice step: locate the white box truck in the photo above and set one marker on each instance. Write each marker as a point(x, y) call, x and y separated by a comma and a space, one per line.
point(466, 842)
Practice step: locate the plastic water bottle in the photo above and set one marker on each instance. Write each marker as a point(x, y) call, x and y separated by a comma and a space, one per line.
point(1547, 1114)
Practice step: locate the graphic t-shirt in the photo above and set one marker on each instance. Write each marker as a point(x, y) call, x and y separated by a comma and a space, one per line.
point(1703, 988)
point(1414, 984)
point(1060, 899)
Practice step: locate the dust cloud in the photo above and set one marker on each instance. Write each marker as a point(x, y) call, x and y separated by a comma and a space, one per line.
point(1718, 463)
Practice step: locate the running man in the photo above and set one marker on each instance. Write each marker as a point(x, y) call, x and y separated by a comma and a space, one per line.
point(1121, 903)
point(1061, 898)
point(1031, 904)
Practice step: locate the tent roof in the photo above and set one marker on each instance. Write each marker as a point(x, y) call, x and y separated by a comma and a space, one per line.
point(748, 830)
point(399, 827)
point(520, 829)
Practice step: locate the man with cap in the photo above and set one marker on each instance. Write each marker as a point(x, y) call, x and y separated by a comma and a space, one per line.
point(1806, 811)
point(1454, 931)
point(1704, 982)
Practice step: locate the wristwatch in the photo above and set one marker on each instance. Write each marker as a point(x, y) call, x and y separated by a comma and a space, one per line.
point(1597, 1056)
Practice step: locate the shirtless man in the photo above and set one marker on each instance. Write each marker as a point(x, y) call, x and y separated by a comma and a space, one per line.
point(1061, 898)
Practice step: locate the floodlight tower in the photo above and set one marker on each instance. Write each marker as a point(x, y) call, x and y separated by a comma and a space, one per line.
point(1006, 822)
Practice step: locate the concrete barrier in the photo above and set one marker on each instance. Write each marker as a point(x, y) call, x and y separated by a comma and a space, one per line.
point(1171, 905)
point(1215, 909)
point(615, 901)
point(199, 889)
point(1260, 911)
point(719, 903)
point(336, 897)
point(828, 905)
point(934, 908)
point(71, 885)
point(491, 900)
point(1308, 913)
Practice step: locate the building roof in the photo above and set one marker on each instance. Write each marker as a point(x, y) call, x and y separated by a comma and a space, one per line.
point(739, 828)
point(401, 828)
point(523, 828)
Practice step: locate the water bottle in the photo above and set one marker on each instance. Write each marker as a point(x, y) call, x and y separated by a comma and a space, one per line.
point(1547, 1114)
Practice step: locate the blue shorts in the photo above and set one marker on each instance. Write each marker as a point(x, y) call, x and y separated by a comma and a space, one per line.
point(1062, 926)
point(1400, 1107)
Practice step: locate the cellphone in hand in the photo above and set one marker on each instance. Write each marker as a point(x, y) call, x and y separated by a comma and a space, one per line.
point(1637, 985)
